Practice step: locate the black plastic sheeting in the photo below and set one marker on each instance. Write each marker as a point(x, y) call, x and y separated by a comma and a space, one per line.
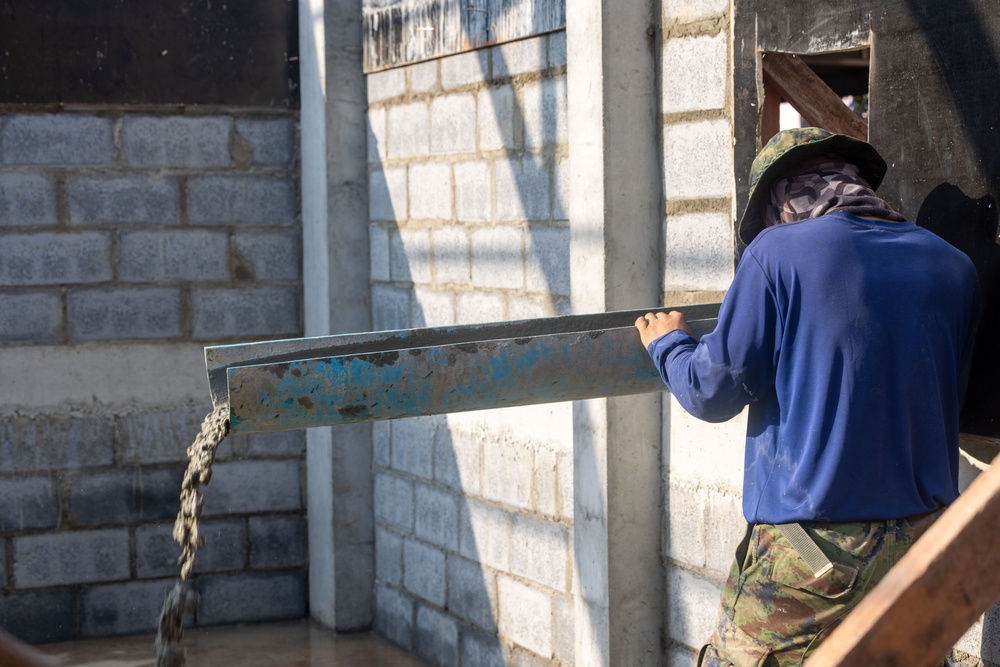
point(233, 52)
point(935, 92)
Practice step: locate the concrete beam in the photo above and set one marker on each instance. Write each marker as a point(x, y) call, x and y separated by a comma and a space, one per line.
point(335, 276)
point(615, 235)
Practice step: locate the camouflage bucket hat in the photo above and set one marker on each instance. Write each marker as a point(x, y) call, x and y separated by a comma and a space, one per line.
point(789, 147)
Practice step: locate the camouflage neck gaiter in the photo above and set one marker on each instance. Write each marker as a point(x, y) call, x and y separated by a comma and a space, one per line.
point(823, 188)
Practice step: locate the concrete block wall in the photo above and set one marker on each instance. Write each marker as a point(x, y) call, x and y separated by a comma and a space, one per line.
point(129, 239)
point(467, 191)
point(702, 463)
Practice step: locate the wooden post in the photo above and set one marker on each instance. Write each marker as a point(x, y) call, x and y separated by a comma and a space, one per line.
point(933, 595)
point(816, 101)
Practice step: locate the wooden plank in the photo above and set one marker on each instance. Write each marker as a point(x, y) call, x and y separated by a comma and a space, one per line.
point(805, 91)
point(15, 653)
point(933, 595)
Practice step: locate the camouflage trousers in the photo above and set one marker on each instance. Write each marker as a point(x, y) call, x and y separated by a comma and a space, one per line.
point(775, 612)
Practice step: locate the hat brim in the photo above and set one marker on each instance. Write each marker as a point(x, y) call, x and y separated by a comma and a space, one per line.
point(870, 165)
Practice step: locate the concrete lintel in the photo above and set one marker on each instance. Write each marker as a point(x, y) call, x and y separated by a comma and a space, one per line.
point(336, 294)
point(615, 221)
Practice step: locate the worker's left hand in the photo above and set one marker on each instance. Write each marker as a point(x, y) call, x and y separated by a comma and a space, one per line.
point(653, 325)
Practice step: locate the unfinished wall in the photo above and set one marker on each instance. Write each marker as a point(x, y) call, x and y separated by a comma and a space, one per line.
point(129, 239)
point(702, 463)
point(467, 203)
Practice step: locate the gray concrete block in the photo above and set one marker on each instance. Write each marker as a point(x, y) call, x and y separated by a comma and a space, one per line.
point(177, 141)
point(424, 571)
point(222, 199)
point(124, 312)
point(225, 547)
point(387, 194)
point(157, 437)
point(725, 528)
point(539, 551)
point(453, 124)
point(560, 199)
point(685, 11)
point(473, 194)
point(385, 85)
point(692, 605)
point(246, 312)
point(55, 442)
point(3, 564)
point(436, 637)
point(409, 131)
point(510, 469)
point(376, 134)
point(437, 514)
point(563, 629)
point(457, 463)
point(520, 57)
point(382, 443)
point(546, 263)
point(28, 503)
point(543, 108)
point(123, 199)
point(394, 500)
point(423, 76)
point(685, 519)
point(268, 255)
point(56, 139)
point(156, 552)
point(522, 189)
point(30, 316)
point(79, 557)
point(476, 307)
point(248, 487)
point(195, 255)
point(486, 535)
point(471, 593)
point(394, 616)
point(524, 616)
point(698, 252)
point(53, 258)
point(413, 445)
point(39, 617)
point(451, 256)
point(378, 252)
point(711, 175)
point(498, 257)
point(122, 609)
point(695, 73)
point(679, 656)
point(278, 444)
point(277, 541)
point(251, 597)
point(433, 308)
point(390, 308)
point(27, 198)
point(272, 140)
point(126, 495)
point(557, 49)
point(465, 68)
point(496, 118)
point(430, 191)
point(388, 556)
point(410, 255)
point(481, 649)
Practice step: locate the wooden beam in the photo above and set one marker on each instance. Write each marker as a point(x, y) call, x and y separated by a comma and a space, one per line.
point(815, 100)
point(15, 653)
point(933, 595)
point(770, 112)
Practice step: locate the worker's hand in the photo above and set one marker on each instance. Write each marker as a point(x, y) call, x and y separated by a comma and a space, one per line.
point(653, 325)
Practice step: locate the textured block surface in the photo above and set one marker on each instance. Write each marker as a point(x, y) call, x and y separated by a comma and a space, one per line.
point(78, 557)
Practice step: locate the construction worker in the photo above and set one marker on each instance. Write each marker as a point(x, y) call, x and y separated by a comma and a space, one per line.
point(848, 331)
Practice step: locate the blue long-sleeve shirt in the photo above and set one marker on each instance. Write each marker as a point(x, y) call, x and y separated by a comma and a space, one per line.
point(851, 341)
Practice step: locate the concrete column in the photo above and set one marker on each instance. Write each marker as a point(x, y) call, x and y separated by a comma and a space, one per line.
point(615, 236)
point(335, 277)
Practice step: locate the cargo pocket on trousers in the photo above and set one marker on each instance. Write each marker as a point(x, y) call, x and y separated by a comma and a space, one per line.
point(789, 569)
point(734, 647)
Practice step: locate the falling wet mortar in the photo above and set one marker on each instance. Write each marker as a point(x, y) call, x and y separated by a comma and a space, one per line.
point(182, 598)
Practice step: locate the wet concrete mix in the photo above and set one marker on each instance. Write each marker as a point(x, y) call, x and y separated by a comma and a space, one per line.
point(182, 597)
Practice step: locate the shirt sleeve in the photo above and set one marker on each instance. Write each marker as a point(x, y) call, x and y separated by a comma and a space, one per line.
point(735, 364)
